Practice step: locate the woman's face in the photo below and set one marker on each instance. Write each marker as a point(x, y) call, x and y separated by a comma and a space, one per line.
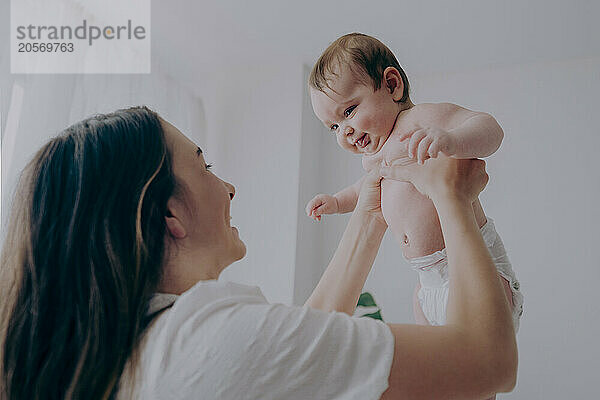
point(202, 206)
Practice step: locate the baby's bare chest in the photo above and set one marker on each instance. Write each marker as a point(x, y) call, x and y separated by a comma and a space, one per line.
point(393, 152)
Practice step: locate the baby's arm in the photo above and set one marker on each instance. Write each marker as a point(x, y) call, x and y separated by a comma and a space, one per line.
point(477, 134)
point(348, 197)
point(452, 130)
point(342, 202)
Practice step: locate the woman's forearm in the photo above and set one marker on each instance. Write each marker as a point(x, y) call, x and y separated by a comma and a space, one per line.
point(343, 280)
point(476, 301)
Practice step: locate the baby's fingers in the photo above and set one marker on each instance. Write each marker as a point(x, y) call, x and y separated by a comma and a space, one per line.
point(312, 205)
point(434, 149)
point(423, 149)
point(409, 132)
point(317, 212)
point(308, 208)
point(415, 139)
point(406, 134)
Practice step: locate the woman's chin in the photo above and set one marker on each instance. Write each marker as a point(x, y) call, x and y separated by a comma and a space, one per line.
point(243, 251)
point(240, 250)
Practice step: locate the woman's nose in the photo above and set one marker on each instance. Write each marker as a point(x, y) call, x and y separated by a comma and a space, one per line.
point(230, 189)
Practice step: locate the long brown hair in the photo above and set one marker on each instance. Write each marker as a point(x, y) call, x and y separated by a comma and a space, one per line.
point(83, 254)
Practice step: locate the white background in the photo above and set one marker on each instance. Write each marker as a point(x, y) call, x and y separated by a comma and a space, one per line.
point(232, 76)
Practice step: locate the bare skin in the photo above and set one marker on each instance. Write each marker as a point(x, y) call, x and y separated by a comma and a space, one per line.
point(474, 355)
point(385, 131)
point(469, 362)
point(202, 241)
point(470, 267)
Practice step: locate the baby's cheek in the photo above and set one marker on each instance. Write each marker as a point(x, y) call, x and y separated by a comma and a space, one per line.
point(378, 123)
point(369, 122)
point(344, 144)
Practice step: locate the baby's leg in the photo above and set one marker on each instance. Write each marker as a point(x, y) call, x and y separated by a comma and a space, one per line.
point(420, 318)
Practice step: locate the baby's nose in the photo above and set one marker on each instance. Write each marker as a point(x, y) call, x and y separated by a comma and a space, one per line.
point(348, 130)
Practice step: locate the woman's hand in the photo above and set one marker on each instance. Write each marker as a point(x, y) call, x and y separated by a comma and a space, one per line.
point(343, 280)
point(369, 198)
point(443, 176)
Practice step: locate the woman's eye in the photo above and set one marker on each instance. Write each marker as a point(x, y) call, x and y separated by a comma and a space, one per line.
point(348, 111)
point(333, 128)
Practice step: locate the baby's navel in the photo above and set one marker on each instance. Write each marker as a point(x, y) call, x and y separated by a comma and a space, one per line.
point(405, 240)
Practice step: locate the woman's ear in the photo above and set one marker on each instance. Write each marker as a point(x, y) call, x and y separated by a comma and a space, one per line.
point(393, 83)
point(174, 225)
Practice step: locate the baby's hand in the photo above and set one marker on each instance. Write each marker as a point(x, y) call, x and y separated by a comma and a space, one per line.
point(321, 204)
point(427, 143)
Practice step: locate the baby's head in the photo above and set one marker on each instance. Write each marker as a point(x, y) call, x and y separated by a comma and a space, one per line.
point(357, 89)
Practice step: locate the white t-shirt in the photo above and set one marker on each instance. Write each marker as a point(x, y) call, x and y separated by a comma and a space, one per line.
point(222, 340)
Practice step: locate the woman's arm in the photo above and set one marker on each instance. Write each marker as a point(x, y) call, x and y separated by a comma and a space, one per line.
point(343, 280)
point(475, 354)
point(420, 318)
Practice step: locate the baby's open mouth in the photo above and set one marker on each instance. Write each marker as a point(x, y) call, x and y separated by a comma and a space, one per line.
point(363, 141)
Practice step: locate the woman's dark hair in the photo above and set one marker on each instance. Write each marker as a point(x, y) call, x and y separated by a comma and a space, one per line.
point(83, 255)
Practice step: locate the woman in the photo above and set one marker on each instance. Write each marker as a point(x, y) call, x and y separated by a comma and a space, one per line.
point(118, 234)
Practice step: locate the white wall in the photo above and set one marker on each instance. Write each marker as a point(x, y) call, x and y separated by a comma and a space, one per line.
point(309, 259)
point(543, 194)
point(253, 138)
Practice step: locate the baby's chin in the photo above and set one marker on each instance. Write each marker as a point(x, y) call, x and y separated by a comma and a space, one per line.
point(373, 147)
point(375, 144)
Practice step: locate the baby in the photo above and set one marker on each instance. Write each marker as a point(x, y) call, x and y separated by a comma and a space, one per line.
point(361, 94)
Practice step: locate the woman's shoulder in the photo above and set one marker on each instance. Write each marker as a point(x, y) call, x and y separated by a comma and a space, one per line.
point(206, 305)
point(187, 331)
point(207, 292)
point(233, 311)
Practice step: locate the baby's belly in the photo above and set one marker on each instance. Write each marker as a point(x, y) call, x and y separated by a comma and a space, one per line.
point(412, 219)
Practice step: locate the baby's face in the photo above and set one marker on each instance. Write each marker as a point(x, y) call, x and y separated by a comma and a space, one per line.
point(361, 118)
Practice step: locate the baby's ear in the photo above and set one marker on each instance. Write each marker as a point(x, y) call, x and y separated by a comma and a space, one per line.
point(394, 83)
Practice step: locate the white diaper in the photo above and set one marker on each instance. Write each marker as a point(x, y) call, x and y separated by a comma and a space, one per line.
point(433, 275)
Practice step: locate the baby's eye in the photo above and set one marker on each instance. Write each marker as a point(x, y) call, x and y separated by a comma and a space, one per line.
point(333, 128)
point(348, 111)
point(208, 166)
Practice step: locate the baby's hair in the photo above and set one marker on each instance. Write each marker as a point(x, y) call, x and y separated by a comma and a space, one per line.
point(366, 57)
